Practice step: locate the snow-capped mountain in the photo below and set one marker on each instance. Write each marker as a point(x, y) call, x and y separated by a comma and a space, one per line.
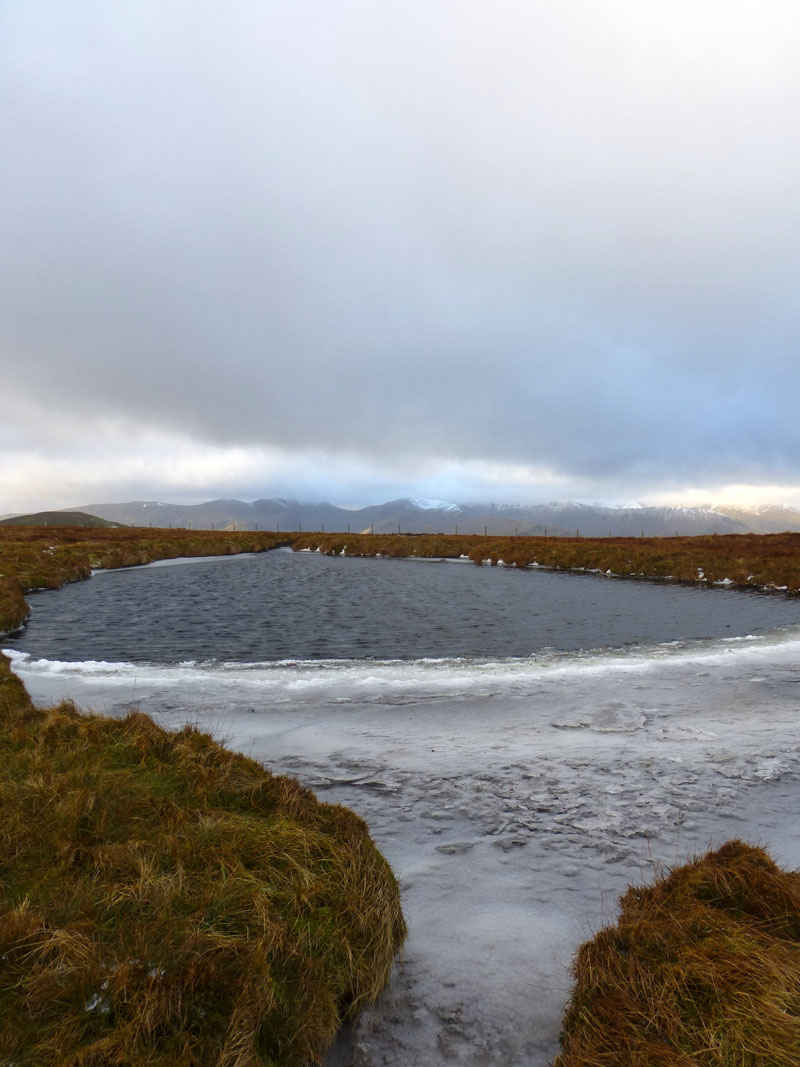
point(558, 518)
point(767, 518)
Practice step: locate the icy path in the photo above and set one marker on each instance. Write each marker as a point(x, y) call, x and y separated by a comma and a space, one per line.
point(514, 820)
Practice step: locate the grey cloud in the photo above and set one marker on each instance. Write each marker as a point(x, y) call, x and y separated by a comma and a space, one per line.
point(529, 234)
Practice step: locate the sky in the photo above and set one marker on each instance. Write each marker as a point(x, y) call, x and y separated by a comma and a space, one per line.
point(355, 250)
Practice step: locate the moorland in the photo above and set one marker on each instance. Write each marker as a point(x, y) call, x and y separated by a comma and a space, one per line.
point(165, 901)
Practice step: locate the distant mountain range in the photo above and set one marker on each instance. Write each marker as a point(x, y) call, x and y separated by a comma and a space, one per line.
point(437, 516)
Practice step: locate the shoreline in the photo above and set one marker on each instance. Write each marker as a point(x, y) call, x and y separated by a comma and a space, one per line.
point(589, 572)
point(33, 558)
point(765, 562)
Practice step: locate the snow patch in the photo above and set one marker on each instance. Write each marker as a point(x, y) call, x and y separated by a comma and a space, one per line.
point(431, 504)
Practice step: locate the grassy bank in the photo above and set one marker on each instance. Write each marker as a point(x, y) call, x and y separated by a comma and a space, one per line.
point(702, 970)
point(750, 560)
point(164, 901)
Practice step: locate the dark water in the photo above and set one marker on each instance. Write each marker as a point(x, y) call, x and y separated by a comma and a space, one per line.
point(282, 605)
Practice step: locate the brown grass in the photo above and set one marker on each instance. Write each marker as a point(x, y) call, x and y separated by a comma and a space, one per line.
point(702, 970)
point(165, 902)
point(754, 560)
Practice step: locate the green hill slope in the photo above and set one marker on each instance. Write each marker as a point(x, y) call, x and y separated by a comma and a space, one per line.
point(59, 518)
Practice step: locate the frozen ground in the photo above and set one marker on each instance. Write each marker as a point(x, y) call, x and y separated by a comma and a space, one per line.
point(515, 801)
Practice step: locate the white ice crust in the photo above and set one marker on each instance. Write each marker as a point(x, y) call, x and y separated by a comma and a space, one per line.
point(515, 800)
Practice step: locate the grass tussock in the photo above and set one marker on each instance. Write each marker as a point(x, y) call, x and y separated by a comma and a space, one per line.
point(754, 560)
point(702, 970)
point(165, 901)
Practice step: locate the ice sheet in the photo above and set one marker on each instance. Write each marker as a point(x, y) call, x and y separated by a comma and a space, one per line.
point(515, 801)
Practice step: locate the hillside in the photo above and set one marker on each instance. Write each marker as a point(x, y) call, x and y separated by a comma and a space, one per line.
point(60, 518)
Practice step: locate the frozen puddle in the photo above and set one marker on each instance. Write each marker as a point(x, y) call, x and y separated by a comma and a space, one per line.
point(514, 817)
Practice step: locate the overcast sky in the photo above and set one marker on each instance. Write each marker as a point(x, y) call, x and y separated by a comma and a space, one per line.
point(357, 249)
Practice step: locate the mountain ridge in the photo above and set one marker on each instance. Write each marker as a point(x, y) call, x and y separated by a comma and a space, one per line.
point(557, 518)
